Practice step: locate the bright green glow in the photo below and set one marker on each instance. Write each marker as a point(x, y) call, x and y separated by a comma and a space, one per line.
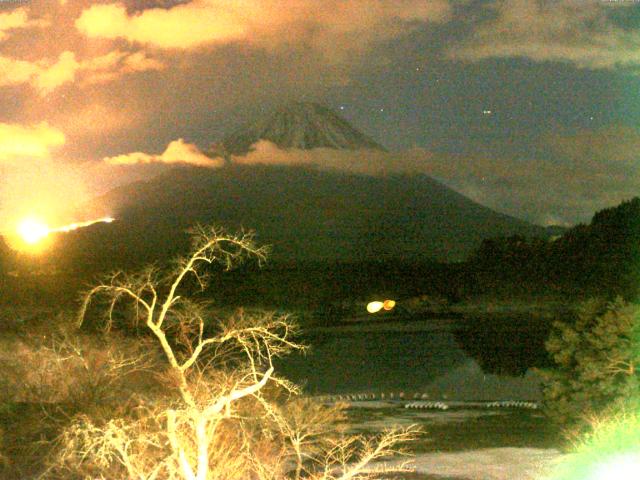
point(621, 467)
point(611, 452)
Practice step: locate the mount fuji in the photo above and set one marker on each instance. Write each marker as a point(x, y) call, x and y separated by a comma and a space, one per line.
point(305, 213)
point(300, 125)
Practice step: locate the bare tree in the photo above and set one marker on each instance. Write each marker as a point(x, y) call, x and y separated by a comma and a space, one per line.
point(220, 423)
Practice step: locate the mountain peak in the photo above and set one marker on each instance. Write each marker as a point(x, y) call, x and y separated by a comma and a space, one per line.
point(301, 125)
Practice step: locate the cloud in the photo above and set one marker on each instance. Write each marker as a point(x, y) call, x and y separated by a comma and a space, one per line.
point(183, 26)
point(581, 174)
point(15, 72)
point(18, 142)
point(571, 31)
point(177, 152)
point(17, 19)
point(576, 176)
point(45, 75)
point(51, 77)
point(202, 22)
point(367, 162)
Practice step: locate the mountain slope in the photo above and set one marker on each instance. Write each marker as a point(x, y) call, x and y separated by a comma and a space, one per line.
point(300, 125)
point(306, 214)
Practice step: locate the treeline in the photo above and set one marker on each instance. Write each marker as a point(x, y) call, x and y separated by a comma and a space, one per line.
point(602, 258)
point(599, 259)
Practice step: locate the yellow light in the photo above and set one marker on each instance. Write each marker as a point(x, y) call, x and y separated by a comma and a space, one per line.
point(32, 230)
point(374, 307)
point(32, 235)
point(389, 304)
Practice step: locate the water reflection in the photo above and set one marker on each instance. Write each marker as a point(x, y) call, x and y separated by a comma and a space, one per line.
point(372, 361)
point(444, 362)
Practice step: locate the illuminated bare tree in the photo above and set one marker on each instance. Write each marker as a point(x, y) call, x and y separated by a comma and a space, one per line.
point(220, 424)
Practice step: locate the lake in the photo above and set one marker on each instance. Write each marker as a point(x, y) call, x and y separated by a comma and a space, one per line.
point(455, 359)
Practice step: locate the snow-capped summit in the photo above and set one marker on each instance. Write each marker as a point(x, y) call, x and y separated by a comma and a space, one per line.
point(302, 125)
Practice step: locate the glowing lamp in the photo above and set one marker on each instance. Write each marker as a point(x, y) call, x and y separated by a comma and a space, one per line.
point(32, 231)
point(375, 307)
point(389, 304)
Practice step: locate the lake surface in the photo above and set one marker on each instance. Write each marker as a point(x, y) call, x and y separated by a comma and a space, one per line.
point(443, 358)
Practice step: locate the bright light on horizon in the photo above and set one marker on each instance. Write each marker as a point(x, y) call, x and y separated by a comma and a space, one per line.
point(32, 230)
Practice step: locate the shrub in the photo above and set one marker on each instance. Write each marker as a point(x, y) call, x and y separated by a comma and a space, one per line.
point(596, 359)
point(609, 450)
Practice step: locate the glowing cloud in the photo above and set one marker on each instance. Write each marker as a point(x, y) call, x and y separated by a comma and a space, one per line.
point(19, 141)
point(16, 19)
point(45, 75)
point(15, 72)
point(177, 152)
point(183, 26)
point(61, 72)
point(200, 22)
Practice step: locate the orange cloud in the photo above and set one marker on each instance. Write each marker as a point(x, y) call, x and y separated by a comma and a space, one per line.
point(18, 142)
point(14, 72)
point(45, 76)
point(177, 152)
point(201, 22)
point(61, 72)
point(16, 19)
point(183, 26)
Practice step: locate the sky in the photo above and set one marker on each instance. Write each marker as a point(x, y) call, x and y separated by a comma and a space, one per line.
point(529, 107)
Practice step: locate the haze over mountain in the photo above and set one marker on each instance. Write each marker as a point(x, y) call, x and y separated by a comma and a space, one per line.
point(306, 213)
